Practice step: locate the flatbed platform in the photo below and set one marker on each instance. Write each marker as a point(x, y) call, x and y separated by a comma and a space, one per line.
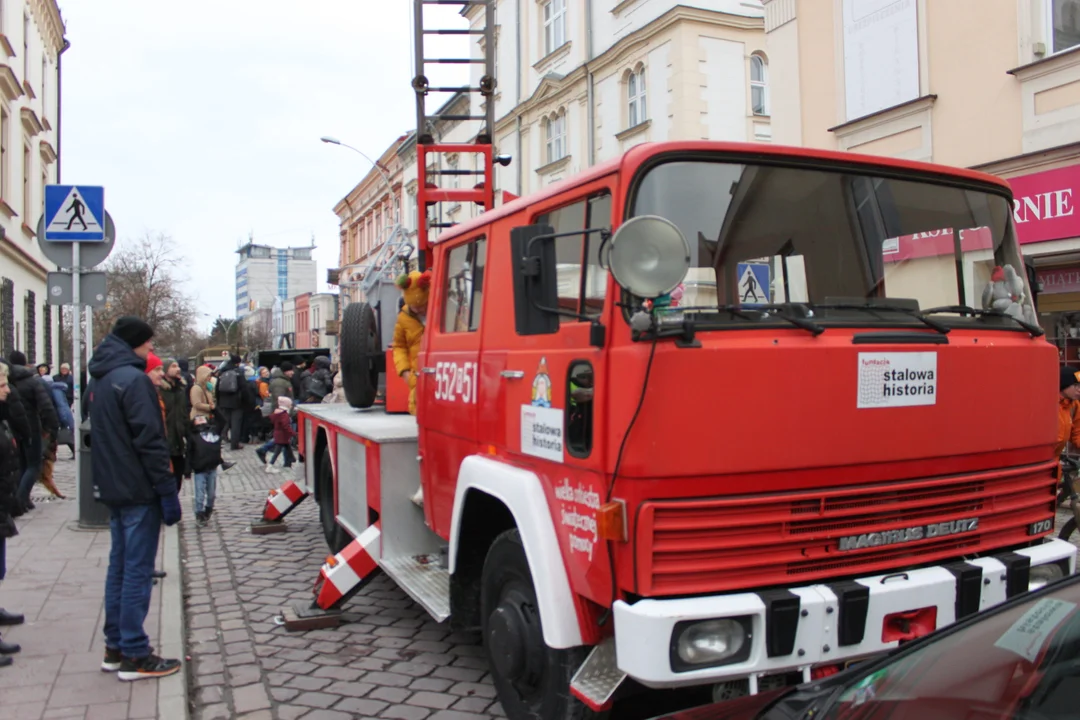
point(372, 424)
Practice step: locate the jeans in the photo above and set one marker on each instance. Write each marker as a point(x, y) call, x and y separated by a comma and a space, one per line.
point(32, 456)
point(289, 459)
point(135, 533)
point(205, 490)
point(268, 445)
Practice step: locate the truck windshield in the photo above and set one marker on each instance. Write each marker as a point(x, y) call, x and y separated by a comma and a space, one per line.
point(846, 246)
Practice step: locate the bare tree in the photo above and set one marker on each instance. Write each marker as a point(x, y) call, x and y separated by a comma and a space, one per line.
point(144, 280)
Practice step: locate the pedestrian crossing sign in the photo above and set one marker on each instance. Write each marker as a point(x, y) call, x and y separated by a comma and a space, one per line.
point(74, 213)
point(754, 284)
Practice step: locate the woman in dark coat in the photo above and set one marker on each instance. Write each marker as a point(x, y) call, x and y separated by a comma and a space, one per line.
point(10, 507)
point(174, 395)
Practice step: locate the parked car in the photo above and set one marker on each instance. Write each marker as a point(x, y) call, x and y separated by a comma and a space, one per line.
point(1020, 660)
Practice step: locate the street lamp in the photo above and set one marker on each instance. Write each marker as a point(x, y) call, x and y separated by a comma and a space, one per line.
point(377, 165)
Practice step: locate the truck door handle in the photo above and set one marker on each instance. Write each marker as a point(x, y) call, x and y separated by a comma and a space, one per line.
point(428, 371)
point(513, 374)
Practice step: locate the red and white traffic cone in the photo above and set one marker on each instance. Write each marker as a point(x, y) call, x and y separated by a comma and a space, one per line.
point(279, 503)
point(342, 574)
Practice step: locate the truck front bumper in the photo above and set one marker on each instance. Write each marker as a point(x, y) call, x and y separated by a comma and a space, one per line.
point(797, 628)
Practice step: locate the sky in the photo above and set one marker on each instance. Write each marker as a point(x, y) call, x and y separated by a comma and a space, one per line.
point(202, 120)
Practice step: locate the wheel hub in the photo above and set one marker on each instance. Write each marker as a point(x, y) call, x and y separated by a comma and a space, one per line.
point(516, 641)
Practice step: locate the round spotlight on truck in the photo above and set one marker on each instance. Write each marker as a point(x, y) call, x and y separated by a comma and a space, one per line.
point(649, 256)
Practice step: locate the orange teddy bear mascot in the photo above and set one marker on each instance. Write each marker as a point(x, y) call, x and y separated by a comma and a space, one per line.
point(409, 329)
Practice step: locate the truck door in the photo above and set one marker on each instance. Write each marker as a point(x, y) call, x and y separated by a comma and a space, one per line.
point(447, 396)
point(554, 388)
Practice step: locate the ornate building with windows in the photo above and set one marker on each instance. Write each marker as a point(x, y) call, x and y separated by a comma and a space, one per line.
point(580, 81)
point(31, 43)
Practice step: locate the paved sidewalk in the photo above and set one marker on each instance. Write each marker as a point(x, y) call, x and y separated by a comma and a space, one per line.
point(56, 577)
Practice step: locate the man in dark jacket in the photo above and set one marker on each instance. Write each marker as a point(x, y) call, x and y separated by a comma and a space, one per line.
point(230, 400)
point(131, 474)
point(37, 398)
point(319, 382)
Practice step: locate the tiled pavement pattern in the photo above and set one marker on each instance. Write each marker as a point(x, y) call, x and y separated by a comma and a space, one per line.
point(56, 577)
point(396, 662)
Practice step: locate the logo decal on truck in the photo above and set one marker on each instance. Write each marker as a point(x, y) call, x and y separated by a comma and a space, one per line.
point(541, 386)
point(911, 534)
point(897, 379)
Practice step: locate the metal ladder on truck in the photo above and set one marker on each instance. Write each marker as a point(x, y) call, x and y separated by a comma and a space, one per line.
point(429, 191)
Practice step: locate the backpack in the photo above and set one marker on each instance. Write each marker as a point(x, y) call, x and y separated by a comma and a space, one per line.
point(229, 383)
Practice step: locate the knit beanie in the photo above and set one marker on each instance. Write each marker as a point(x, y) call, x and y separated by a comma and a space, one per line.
point(286, 366)
point(132, 330)
point(284, 402)
point(1069, 376)
point(17, 358)
point(152, 361)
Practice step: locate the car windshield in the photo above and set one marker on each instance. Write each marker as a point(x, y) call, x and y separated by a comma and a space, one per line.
point(838, 241)
point(1022, 663)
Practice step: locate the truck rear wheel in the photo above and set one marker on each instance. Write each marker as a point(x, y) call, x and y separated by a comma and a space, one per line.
point(532, 679)
point(336, 537)
point(360, 355)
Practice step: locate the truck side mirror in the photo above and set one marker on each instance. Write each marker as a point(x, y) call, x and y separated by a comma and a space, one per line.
point(535, 280)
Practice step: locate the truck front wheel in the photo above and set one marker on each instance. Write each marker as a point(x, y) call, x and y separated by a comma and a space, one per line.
point(532, 679)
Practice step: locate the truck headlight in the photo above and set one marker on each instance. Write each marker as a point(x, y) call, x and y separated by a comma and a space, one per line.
point(1042, 575)
point(697, 644)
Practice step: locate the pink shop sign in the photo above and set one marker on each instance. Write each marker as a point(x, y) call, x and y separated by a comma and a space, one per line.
point(1059, 280)
point(1044, 205)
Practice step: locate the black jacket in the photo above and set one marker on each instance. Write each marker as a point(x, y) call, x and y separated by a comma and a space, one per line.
point(14, 412)
point(68, 380)
point(227, 400)
point(36, 397)
point(175, 396)
point(204, 449)
point(129, 457)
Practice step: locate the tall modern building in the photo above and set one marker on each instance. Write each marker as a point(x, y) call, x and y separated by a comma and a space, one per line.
point(266, 273)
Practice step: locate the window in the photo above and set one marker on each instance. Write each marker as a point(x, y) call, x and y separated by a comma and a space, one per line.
point(555, 131)
point(452, 166)
point(7, 316)
point(464, 287)
point(759, 85)
point(579, 408)
point(554, 25)
point(414, 215)
point(30, 326)
point(635, 93)
point(582, 293)
point(27, 204)
point(26, 49)
point(1064, 24)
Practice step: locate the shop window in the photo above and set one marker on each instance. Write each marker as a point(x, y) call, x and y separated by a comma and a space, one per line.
point(580, 292)
point(464, 287)
point(579, 408)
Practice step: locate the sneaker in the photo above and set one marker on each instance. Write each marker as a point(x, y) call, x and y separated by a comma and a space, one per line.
point(149, 667)
point(418, 498)
point(112, 660)
point(227, 465)
point(6, 660)
point(262, 455)
point(268, 468)
point(200, 519)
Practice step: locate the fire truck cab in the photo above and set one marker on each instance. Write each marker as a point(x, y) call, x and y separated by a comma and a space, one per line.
point(707, 413)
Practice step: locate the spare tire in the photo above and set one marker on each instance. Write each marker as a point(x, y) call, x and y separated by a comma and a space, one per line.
point(360, 355)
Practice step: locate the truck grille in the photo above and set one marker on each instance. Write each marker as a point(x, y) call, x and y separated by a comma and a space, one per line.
point(710, 545)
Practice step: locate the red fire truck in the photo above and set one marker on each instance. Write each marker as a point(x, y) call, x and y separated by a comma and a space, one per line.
point(708, 413)
point(704, 414)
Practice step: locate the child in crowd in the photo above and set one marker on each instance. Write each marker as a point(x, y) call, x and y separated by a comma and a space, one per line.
point(283, 434)
point(204, 457)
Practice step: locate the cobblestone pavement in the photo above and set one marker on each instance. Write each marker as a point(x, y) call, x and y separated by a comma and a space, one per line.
point(395, 663)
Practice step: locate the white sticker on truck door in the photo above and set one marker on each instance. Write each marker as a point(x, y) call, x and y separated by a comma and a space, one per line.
point(897, 379)
point(541, 432)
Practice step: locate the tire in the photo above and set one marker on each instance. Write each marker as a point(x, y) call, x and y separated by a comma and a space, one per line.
point(336, 537)
point(360, 355)
point(532, 679)
point(1068, 530)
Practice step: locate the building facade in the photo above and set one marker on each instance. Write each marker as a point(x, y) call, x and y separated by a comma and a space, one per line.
point(909, 79)
point(31, 42)
point(264, 273)
point(580, 81)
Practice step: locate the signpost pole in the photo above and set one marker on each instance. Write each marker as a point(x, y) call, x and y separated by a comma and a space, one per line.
point(76, 356)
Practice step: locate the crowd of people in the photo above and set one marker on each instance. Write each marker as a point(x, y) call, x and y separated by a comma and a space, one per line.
point(153, 425)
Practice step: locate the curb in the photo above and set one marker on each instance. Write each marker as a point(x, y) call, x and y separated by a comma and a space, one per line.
point(173, 691)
